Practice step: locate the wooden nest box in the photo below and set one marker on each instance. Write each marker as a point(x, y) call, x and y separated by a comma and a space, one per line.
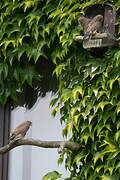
point(108, 27)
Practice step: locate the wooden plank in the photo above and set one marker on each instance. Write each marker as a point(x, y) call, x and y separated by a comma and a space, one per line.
point(99, 36)
point(92, 43)
point(109, 23)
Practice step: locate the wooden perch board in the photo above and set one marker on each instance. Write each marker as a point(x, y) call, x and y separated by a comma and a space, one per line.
point(94, 42)
point(100, 36)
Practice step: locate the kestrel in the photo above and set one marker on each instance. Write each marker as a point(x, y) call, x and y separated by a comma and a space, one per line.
point(20, 131)
point(91, 26)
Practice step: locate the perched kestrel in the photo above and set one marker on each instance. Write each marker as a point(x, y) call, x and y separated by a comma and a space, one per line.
point(20, 131)
point(91, 26)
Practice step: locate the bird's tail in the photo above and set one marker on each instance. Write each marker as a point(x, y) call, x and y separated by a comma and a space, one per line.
point(12, 137)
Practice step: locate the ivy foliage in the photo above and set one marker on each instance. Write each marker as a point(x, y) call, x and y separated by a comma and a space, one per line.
point(89, 102)
point(26, 47)
point(36, 31)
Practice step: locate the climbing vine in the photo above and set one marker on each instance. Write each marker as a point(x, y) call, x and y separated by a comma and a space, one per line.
point(88, 97)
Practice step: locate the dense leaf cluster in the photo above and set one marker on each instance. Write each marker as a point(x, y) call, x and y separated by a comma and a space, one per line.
point(89, 102)
point(27, 43)
point(35, 31)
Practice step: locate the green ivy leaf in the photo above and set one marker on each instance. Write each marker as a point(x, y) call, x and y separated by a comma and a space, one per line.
point(98, 156)
point(52, 175)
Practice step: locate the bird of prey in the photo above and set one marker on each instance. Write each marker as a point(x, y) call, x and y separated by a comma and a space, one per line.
point(91, 26)
point(20, 131)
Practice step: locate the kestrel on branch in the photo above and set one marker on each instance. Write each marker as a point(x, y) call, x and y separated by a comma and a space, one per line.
point(91, 26)
point(20, 131)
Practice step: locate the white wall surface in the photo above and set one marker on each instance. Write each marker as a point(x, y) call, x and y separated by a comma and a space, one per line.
point(32, 163)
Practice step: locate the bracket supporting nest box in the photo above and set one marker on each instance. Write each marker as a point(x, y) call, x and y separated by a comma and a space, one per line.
point(108, 29)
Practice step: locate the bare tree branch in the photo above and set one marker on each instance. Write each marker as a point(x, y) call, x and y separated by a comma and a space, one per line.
point(45, 144)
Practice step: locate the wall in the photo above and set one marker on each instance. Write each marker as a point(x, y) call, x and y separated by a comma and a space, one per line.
point(28, 163)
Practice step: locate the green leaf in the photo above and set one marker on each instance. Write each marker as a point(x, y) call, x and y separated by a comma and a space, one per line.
point(102, 105)
point(60, 160)
point(1, 70)
point(75, 111)
point(111, 83)
point(7, 42)
point(54, 111)
point(77, 91)
point(86, 134)
point(58, 70)
point(80, 156)
point(98, 156)
point(66, 94)
point(105, 177)
point(28, 4)
point(16, 73)
point(53, 102)
point(52, 175)
point(117, 166)
point(28, 74)
point(98, 168)
point(118, 109)
point(117, 135)
point(5, 66)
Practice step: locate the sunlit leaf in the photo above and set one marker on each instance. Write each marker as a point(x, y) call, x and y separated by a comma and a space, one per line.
point(79, 156)
point(77, 91)
point(98, 156)
point(54, 111)
point(52, 175)
point(117, 135)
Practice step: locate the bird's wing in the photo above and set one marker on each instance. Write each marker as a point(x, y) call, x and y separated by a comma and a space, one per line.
point(83, 21)
point(12, 136)
point(21, 129)
point(95, 24)
point(93, 28)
